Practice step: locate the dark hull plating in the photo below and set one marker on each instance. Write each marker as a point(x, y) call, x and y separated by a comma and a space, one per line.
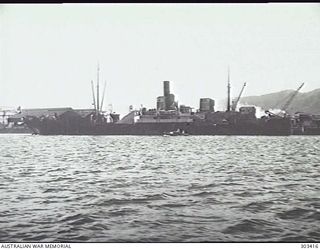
point(306, 131)
point(72, 127)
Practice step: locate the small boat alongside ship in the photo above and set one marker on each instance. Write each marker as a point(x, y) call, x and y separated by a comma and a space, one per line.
point(178, 132)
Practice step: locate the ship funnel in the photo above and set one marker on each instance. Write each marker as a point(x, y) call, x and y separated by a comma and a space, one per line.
point(169, 103)
point(166, 88)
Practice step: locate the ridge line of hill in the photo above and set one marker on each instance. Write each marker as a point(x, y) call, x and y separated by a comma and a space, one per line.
point(308, 102)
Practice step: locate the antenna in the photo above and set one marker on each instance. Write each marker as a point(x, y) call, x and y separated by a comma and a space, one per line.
point(98, 69)
point(104, 89)
point(228, 104)
point(94, 99)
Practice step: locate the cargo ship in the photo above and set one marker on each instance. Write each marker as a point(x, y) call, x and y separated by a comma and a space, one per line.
point(168, 116)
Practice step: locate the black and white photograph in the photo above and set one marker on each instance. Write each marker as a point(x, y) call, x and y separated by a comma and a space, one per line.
point(159, 123)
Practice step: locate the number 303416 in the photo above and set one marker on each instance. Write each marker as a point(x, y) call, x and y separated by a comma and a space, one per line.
point(309, 245)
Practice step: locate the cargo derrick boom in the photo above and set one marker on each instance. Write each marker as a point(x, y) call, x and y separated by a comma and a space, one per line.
point(104, 90)
point(234, 105)
point(287, 104)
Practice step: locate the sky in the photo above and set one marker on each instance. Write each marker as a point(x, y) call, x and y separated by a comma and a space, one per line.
point(49, 53)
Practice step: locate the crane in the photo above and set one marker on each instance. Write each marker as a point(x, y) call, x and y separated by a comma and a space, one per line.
point(289, 101)
point(235, 103)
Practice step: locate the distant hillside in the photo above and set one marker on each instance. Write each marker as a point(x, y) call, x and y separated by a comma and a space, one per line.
point(303, 102)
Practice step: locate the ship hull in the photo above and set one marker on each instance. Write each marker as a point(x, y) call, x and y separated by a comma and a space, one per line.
point(277, 127)
point(306, 131)
point(15, 131)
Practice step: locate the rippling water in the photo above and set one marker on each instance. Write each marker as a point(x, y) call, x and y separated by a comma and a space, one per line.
point(159, 189)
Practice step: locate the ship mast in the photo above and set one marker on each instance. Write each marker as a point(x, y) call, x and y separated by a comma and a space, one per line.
point(98, 90)
point(94, 99)
point(228, 104)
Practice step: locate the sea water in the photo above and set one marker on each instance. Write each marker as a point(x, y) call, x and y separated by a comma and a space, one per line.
point(159, 189)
